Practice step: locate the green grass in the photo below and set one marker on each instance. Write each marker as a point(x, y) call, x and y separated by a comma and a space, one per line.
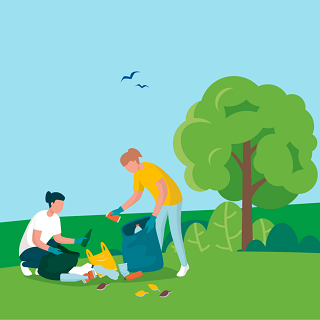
point(221, 286)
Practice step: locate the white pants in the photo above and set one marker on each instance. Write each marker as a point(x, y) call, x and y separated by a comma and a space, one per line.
point(174, 214)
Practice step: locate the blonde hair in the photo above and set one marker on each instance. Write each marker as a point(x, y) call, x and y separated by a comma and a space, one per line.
point(131, 155)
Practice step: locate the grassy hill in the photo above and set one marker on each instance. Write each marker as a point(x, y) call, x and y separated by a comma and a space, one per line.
point(218, 286)
point(303, 218)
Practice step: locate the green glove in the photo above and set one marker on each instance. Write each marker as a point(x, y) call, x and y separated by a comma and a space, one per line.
point(151, 223)
point(79, 240)
point(55, 251)
point(117, 212)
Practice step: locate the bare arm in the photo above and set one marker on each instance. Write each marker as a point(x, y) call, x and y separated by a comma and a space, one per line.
point(58, 238)
point(163, 192)
point(133, 199)
point(36, 235)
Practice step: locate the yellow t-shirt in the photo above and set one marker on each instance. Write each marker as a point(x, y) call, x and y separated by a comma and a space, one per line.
point(148, 177)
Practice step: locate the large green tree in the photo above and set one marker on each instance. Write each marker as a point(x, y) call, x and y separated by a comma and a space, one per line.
point(251, 143)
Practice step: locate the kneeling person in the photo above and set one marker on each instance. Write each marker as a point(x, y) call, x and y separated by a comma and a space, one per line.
point(43, 226)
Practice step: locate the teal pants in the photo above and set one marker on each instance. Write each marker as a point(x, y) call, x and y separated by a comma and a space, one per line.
point(174, 215)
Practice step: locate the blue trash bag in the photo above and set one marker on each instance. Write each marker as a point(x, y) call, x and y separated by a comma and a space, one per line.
point(141, 251)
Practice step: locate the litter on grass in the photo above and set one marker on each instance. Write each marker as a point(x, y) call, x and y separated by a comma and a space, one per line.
point(104, 259)
point(91, 275)
point(153, 287)
point(133, 276)
point(141, 293)
point(165, 293)
point(102, 286)
point(124, 269)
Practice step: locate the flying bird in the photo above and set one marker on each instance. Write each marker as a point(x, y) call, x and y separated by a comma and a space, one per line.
point(129, 77)
point(142, 86)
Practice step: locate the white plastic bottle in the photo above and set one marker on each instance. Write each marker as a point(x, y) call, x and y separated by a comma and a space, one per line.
point(137, 229)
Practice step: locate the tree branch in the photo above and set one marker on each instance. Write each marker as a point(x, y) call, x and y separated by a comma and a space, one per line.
point(253, 149)
point(257, 185)
point(237, 159)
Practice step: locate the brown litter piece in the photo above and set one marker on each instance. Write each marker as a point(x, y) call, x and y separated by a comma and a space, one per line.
point(102, 286)
point(165, 293)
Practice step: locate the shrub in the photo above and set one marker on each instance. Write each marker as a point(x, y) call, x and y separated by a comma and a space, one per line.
point(261, 229)
point(225, 227)
point(309, 244)
point(194, 239)
point(282, 238)
point(256, 245)
point(194, 242)
point(184, 227)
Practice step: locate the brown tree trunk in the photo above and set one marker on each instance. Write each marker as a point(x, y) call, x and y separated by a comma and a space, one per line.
point(248, 190)
point(247, 235)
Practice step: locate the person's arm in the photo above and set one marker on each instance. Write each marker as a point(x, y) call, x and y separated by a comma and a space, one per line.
point(36, 235)
point(58, 238)
point(163, 192)
point(132, 200)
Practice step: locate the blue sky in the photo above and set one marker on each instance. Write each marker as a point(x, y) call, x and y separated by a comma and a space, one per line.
point(66, 118)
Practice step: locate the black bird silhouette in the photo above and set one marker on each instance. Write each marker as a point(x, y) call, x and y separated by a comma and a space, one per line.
point(129, 77)
point(142, 86)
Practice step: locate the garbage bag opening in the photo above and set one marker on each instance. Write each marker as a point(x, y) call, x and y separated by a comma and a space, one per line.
point(128, 229)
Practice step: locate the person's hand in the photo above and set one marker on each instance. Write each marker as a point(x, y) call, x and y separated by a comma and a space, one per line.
point(79, 240)
point(151, 223)
point(55, 251)
point(116, 212)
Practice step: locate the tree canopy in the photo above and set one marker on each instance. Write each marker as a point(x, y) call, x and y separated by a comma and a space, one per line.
point(232, 111)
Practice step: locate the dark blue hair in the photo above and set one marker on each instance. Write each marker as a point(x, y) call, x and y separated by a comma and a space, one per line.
point(52, 197)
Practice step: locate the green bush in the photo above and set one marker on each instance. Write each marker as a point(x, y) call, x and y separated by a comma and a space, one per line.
point(225, 227)
point(261, 229)
point(309, 244)
point(282, 238)
point(256, 245)
point(194, 240)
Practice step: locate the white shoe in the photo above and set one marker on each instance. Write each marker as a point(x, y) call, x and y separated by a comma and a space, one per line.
point(37, 273)
point(183, 271)
point(25, 270)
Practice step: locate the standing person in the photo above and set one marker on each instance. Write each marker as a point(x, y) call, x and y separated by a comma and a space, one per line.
point(43, 226)
point(167, 196)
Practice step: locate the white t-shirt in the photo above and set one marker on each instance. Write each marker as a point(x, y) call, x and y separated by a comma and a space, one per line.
point(49, 226)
